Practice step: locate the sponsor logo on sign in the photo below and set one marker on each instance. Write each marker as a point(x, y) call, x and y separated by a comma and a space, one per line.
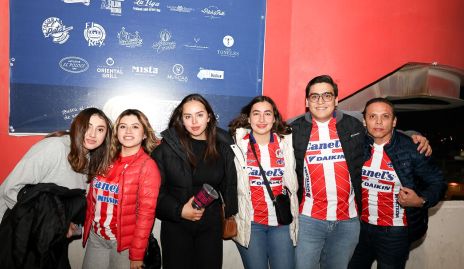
point(146, 6)
point(180, 9)
point(228, 42)
point(110, 70)
point(164, 43)
point(213, 12)
point(73, 64)
point(145, 70)
point(85, 2)
point(210, 74)
point(177, 73)
point(94, 34)
point(196, 45)
point(54, 27)
point(114, 6)
point(129, 40)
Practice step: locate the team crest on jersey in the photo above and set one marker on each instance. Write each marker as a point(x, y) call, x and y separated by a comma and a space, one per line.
point(279, 153)
point(390, 165)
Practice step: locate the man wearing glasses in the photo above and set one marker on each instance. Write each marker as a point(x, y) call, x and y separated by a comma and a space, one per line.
point(328, 146)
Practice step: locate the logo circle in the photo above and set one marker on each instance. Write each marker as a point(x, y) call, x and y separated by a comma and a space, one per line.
point(178, 69)
point(228, 41)
point(109, 61)
point(165, 35)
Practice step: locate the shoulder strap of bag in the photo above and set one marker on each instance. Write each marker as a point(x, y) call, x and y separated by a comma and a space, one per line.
point(266, 182)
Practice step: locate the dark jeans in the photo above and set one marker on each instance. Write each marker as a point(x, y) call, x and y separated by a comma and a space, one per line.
point(389, 245)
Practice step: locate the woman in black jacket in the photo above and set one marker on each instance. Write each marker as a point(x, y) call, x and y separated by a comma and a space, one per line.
point(193, 152)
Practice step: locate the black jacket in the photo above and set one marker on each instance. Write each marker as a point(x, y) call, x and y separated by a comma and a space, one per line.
point(417, 172)
point(352, 137)
point(33, 232)
point(176, 176)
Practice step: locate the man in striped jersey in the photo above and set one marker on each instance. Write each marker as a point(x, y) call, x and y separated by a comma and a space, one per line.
point(329, 153)
point(398, 186)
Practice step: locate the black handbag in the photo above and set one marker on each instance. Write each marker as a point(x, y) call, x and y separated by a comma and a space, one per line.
point(281, 202)
point(152, 259)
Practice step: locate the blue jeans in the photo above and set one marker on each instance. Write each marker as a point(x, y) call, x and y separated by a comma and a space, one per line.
point(325, 244)
point(388, 245)
point(269, 247)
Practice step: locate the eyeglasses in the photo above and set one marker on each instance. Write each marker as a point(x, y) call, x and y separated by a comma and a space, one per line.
point(326, 97)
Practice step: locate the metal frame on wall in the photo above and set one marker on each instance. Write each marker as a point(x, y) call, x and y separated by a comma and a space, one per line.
point(66, 55)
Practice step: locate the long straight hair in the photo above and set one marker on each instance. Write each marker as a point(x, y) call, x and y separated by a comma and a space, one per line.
point(148, 144)
point(177, 123)
point(99, 160)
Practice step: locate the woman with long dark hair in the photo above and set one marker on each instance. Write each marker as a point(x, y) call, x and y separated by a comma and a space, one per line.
point(64, 158)
point(263, 242)
point(121, 203)
point(42, 201)
point(193, 151)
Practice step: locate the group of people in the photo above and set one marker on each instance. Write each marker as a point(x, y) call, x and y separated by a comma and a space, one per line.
point(359, 190)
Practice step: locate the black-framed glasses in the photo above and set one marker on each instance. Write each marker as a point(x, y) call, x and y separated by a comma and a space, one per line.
point(326, 97)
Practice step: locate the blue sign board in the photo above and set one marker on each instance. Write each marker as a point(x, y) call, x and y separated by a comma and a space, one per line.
point(66, 55)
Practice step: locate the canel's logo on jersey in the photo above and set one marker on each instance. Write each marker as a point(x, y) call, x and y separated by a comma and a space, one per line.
point(378, 174)
point(113, 188)
point(274, 172)
point(315, 145)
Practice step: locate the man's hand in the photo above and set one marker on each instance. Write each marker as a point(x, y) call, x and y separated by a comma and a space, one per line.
point(424, 146)
point(190, 213)
point(136, 264)
point(409, 198)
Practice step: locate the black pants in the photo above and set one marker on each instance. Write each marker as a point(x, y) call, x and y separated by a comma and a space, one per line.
point(196, 245)
point(388, 245)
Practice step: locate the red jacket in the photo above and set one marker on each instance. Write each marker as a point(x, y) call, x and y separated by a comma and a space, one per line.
point(138, 194)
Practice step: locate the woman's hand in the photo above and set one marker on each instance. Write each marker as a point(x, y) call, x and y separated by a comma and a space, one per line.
point(72, 230)
point(136, 264)
point(190, 213)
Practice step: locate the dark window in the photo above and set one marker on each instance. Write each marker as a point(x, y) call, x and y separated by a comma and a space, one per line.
point(445, 130)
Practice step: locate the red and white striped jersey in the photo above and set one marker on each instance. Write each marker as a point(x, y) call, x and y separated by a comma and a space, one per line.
point(272, 161)
point(380, 189)
point(328, 194)
point(105, 191)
